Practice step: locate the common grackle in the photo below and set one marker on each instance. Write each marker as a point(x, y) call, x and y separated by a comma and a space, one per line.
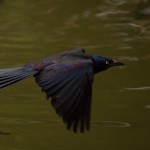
point(66, 78)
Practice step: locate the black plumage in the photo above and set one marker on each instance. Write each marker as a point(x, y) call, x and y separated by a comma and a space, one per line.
point(67, 79)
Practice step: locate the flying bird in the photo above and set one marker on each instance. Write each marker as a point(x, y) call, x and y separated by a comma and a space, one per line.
point(67, 79)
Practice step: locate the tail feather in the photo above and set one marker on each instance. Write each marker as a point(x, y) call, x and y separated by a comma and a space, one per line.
point(13, 75)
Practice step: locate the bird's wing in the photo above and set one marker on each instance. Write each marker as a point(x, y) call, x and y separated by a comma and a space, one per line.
point(70, 87)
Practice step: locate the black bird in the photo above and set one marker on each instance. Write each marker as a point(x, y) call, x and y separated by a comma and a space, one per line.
point(66, 78)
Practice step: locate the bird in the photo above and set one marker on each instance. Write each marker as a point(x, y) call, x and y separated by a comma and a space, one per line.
point(67, 79)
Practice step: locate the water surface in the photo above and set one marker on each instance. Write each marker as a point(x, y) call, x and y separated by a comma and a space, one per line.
point(31, 30)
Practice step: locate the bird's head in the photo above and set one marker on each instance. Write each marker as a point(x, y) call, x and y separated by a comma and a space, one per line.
point(102, 63)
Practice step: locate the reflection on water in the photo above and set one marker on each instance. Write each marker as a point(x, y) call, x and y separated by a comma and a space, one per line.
point(31, 30)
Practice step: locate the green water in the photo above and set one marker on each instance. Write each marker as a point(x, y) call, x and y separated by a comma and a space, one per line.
point(34, 29)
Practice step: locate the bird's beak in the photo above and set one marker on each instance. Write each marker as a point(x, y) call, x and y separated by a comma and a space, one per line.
point(117, 63)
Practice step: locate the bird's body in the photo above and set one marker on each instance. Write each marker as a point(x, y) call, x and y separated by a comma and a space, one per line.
point(66, 78)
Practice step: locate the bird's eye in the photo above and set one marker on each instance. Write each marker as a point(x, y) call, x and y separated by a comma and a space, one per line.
point(107, 62)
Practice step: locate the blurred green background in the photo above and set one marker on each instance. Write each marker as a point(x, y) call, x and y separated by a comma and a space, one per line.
point(34, 29)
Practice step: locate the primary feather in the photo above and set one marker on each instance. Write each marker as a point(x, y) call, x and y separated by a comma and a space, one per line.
point(70, 87)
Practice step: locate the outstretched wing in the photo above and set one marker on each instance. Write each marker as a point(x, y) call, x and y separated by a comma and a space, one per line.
point(70, 87)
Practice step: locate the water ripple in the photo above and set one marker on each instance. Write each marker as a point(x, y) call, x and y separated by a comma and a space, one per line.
point(128, 58)
point(115, 124)
point(4, 132)
point(147, 106)
point(143, 88)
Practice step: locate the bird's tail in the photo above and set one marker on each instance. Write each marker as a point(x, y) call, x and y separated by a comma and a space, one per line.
point(12, 75)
